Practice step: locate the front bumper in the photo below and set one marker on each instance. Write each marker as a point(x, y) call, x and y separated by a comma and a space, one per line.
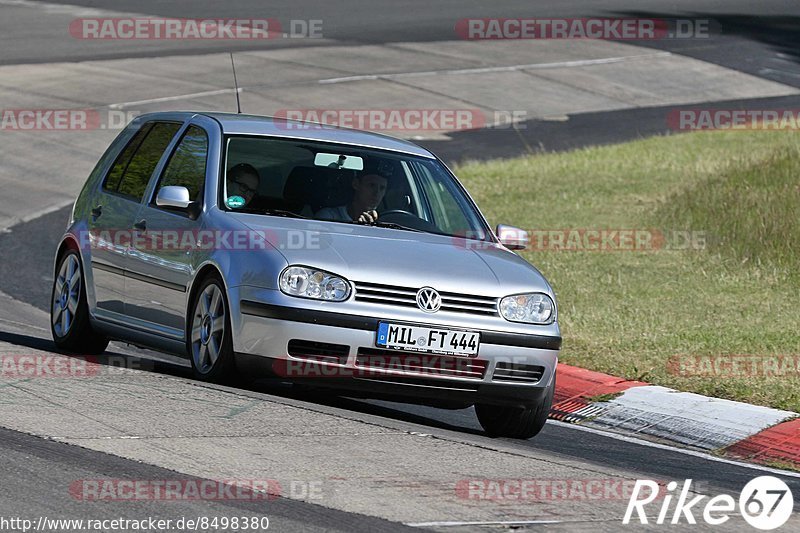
point(266, 336)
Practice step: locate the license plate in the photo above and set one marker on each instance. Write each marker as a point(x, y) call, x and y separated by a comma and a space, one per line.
point(428, 340)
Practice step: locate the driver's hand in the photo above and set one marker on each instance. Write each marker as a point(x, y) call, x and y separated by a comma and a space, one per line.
point(368, 217)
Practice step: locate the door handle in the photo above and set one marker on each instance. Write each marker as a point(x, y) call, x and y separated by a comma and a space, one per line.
point(97, 211)
point(141, 225)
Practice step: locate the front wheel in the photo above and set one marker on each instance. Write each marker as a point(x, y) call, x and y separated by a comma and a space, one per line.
point(69, 312)
point(515, 422)
point(209, 341)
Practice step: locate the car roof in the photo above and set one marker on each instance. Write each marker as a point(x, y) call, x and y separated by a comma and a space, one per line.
point(241, 124)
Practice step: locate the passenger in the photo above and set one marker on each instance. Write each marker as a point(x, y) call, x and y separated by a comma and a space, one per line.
point(369, 191)
point(243, 180)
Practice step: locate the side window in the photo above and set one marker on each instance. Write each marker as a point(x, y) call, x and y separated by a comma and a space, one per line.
point(447, 214)
point(187, 165)
point(111, 183)
point(132, 170)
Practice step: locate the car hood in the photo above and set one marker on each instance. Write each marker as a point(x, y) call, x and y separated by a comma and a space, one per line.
point(399, 257)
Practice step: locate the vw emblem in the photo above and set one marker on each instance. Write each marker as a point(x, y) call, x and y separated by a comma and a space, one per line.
point(428, 299)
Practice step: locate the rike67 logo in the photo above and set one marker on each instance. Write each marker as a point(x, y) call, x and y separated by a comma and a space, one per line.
point(765, 503)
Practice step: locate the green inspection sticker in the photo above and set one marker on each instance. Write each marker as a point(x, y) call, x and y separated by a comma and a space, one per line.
point(234, 202)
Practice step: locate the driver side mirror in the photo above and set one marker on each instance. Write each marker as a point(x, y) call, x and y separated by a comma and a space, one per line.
point(177, 197)
point(512, 238)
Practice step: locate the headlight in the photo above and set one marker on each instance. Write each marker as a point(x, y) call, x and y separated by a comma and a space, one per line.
point(311, 283)
point(535, 308)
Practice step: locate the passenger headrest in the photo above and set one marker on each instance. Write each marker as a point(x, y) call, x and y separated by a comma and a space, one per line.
point(317, 187)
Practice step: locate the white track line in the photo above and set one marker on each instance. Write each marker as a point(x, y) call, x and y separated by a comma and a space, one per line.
point(509, 68)
point(215, 92)
point(497, 523)
point(13, 221)
point(684, 451)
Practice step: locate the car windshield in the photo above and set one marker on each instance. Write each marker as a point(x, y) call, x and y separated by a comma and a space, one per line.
point(340, 183)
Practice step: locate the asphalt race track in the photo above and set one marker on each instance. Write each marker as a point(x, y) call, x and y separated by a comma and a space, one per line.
point(404, 460)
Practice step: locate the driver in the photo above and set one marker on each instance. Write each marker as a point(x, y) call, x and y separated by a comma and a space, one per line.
point(369, 191)
point(243, 180)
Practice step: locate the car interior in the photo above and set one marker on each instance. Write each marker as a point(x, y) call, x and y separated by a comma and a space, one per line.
point(291, 181)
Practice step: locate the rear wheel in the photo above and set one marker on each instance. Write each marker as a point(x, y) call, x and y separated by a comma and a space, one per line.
point(515, 422)
point(69, 312)
point(209, 341)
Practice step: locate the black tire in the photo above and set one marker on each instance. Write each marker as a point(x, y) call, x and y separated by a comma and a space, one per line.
point(69, 321)
point(515, 422)
point(200, 343)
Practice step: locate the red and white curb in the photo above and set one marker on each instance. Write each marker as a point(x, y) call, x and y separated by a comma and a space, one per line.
point(600, 401)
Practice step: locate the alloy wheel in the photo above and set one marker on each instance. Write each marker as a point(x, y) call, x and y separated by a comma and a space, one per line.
point(66, 295)
point(208, 328)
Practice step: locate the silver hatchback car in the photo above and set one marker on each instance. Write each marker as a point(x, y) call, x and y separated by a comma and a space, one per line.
point(332, 257)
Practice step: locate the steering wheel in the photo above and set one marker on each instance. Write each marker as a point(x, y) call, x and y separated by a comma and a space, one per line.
point(397, 212)
point(409, 219)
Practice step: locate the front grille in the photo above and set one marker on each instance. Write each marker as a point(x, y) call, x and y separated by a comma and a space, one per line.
point(420, 363)
point(517, 373)
point(318, 351)
point(407, 297)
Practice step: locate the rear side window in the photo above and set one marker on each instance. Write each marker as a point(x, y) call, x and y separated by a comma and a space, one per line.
point(134, 166)
point(114, 176)
point(187, 165)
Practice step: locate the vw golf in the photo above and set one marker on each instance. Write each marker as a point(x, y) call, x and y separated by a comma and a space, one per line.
point(332, 257)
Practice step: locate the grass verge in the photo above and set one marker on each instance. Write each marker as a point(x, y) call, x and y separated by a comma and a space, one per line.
point(723, 281)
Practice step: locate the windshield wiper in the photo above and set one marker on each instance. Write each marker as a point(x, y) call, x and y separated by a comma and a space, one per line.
point(273, 212)
point(390, 225)
point(282, 213)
